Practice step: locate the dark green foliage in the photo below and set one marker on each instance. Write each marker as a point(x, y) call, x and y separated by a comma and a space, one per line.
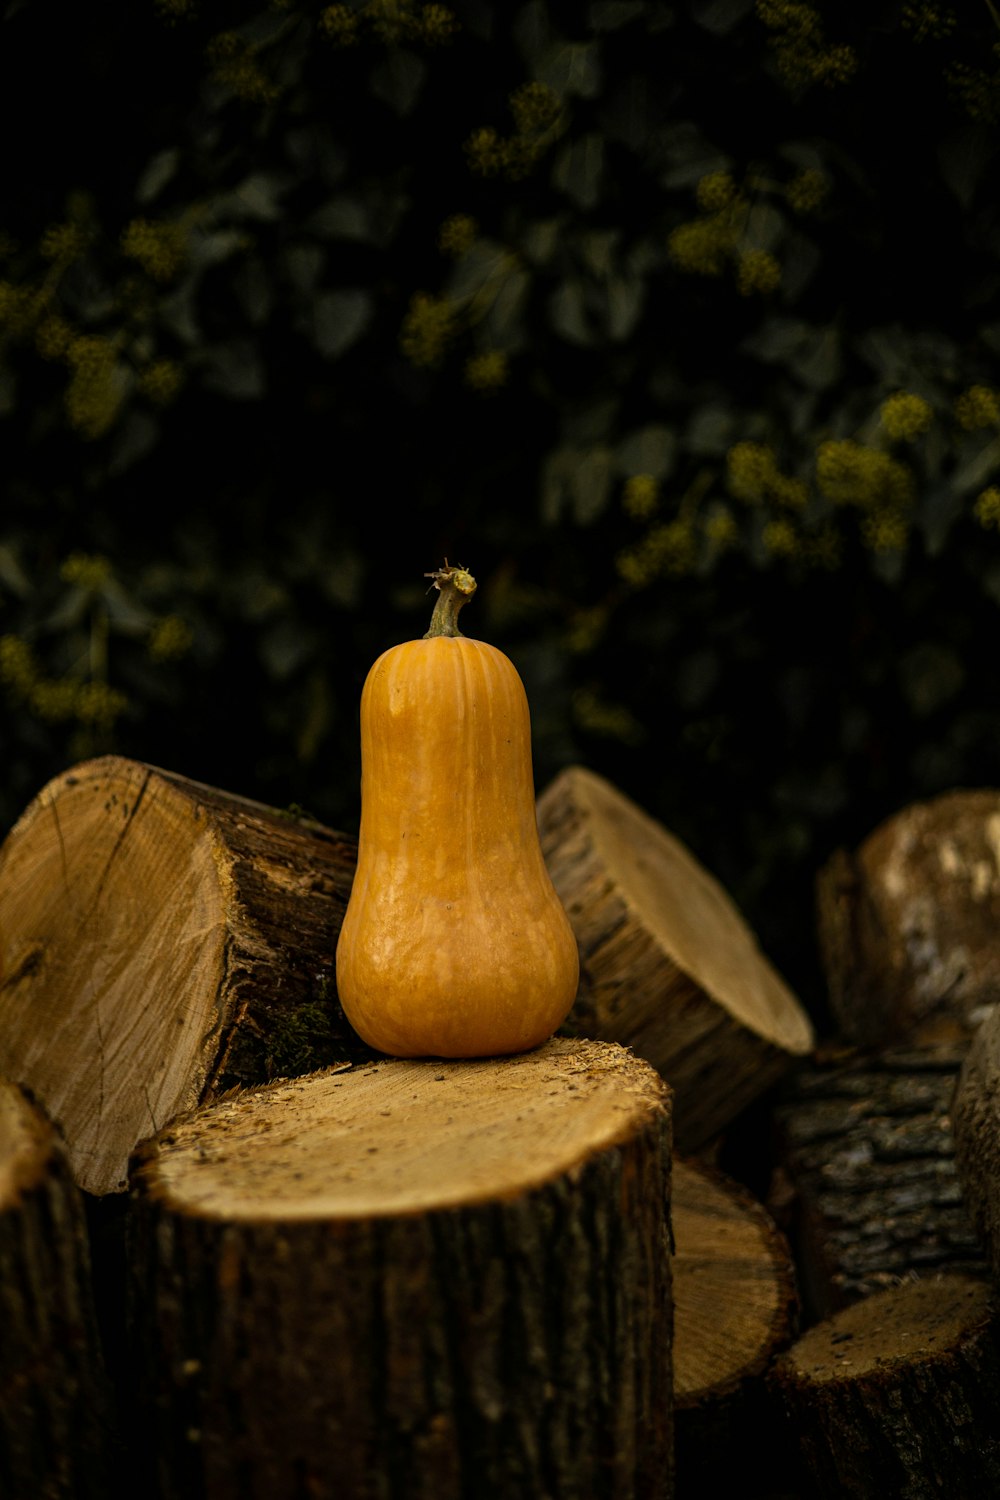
point(605, 302)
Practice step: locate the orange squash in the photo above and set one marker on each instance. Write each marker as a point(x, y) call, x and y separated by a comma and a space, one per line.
point(454, 943)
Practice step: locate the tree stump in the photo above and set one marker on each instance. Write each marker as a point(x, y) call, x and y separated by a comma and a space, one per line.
point(735, 1309)
point(866, 1144)
point(668, 965)
point(412, 1279)
point(160, 941)
point(55, 1436)
point(898, 1395)
point(908, 923)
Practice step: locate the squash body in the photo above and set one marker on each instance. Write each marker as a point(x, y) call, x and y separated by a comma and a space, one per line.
point(454, 943)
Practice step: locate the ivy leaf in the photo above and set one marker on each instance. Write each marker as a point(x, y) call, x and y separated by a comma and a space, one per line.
point(342, 218)
point(235, 370)
point(136, 436)
point(648, 450)
point(156, 174)
point(590, 485)
point(573, 68)
point(720, 16)
point(339, 319)
point(567, 314)
point(398, 79)
point(579, 169)
point(625, 299)
point(610, 15)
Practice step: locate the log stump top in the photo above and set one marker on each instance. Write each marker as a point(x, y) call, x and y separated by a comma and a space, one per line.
point(903, 1325)
point(400, 1137)
point(703, 933)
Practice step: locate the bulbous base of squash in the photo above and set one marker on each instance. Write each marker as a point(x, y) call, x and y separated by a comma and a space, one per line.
point(452, 1026)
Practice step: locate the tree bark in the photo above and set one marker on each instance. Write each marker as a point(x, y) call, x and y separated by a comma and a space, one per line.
point(668, 966)
point(907, 923)
point(898, 1395)
point(735, 1308)
point(977, 1134)
point(412, 1280)
point(159, 942)
point(55, 1417)
point(866, 1143)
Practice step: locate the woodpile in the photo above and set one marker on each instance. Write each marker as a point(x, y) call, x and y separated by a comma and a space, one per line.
point(315, 1271)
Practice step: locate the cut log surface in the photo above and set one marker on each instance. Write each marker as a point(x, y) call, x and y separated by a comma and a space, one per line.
point(413, 1279)
point(867, 1146)
point(908, 923)
point(160, 941)
point(976, 1113)
point(899, 1394)
point(734, 1311)
point(668, 965)
point(54, 1395)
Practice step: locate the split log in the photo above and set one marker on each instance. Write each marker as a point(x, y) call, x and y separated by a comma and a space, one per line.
point(976, 1113)
point(908, 923)
point(412, 1279)
point(735, 1309)
point(898, 1395)
point(159, 942)
point(866, 1144)
point(668, 965)
point(55, 1432)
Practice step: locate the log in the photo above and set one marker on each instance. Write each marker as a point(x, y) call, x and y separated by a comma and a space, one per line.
point(55, 1407)
point(977, 1134)
point(159, 942)
point(668, 965)
point(908, 922)
point(898, 1395)
point(735, 1309)
point(411, 1280)
point(866, 1146)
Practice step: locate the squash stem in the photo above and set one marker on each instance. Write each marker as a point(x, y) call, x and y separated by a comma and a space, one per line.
point(455, 587)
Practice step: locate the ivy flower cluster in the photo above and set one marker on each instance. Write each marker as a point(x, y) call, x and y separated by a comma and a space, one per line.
point(157, 246)
point(906, 416)
point(457, 235)
point(487, 371)
point(849, 473)
point(233, 64)
point(978, 407)
point(753, 475)
point(801, 50)
point(537, 110)
point(96, 389)
point(640, 496)
point(94, 704)
point(391, 22)
point(706, 245)
point(428, 328)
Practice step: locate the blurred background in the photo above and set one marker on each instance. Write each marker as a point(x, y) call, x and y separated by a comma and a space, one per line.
point(675, 321)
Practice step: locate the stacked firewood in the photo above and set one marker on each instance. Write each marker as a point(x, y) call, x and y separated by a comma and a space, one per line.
point(240, 1253)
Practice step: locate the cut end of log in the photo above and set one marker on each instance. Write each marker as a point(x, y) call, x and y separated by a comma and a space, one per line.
point(400, 1137)
point(668, 964)
point(93, 880)
point(155, 935)
point(734, 1292)
point(902, 1325)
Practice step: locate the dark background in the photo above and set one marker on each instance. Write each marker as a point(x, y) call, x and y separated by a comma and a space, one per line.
point(232, 443)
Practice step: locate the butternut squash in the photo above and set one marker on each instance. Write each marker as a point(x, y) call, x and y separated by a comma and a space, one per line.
point(454, 943)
